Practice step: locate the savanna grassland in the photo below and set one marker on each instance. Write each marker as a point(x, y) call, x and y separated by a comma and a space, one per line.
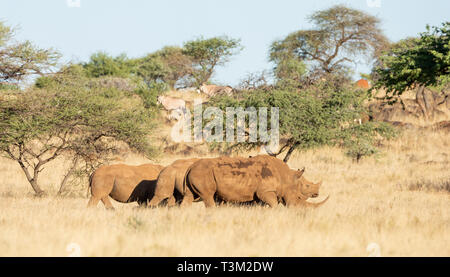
point(398, 199)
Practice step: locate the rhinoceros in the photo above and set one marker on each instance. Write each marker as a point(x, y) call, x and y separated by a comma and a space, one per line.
point(240, 180)
point(123, 183)
point(170, 183)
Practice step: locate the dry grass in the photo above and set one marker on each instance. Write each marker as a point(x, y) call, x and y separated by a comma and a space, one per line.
point(373, 201)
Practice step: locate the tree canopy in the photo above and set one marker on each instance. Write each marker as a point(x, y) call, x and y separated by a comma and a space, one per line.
point(169, 65)
point(339, 36)
point(190, 65)
point(207, 54)
point(313, 118)
point(422, 61)
point(102, 64)
point(19, 60)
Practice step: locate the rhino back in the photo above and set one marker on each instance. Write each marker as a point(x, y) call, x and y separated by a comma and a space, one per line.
point(236, 181)
point(133, 182)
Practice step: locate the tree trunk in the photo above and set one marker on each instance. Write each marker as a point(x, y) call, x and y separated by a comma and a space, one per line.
point(426, 102)
point(36, 188)
point(31, 179)
point(420, 101)
point(275, 154)
point(289, 153)
point(62, 186)
point(358, 157)
point(67, 176)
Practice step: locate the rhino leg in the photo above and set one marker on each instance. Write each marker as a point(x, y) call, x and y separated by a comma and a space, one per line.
point(101, 187)
point(142, 203)
point(269, 197)
point(107, 203)
point(292, 200)
point(207, 198)
point(93, 201)
point(209, 201)
point(187, 199)
point(156, 200)
point(171, 201)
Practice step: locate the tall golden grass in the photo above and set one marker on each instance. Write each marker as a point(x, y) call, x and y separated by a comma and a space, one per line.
point(398, 199)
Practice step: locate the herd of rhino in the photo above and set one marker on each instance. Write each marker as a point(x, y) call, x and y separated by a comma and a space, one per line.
point(261, 179)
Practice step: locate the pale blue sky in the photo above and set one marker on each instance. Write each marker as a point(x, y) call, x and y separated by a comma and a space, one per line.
point(138, 27)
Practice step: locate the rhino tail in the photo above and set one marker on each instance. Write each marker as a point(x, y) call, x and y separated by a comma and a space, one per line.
point(185, 178)
point(89, 188)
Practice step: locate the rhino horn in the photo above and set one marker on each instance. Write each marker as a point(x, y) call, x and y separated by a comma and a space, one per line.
point(318, 203)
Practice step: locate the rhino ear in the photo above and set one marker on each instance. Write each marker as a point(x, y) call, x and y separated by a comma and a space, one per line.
point(300, 172)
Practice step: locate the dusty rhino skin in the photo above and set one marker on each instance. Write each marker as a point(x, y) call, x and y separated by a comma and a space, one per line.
point(169, 184)
point(305, 188)
point(123, 183)
point(240, 180)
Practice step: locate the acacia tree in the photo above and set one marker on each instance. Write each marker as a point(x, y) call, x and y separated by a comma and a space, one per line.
point(339, 36)
point(39, 125)
point(190, 65)
point(290, 72)
point(178, 66)
point(207, 54)
point(416, 62)
point(168, 65)
point(102, 64)
point(19, 60)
